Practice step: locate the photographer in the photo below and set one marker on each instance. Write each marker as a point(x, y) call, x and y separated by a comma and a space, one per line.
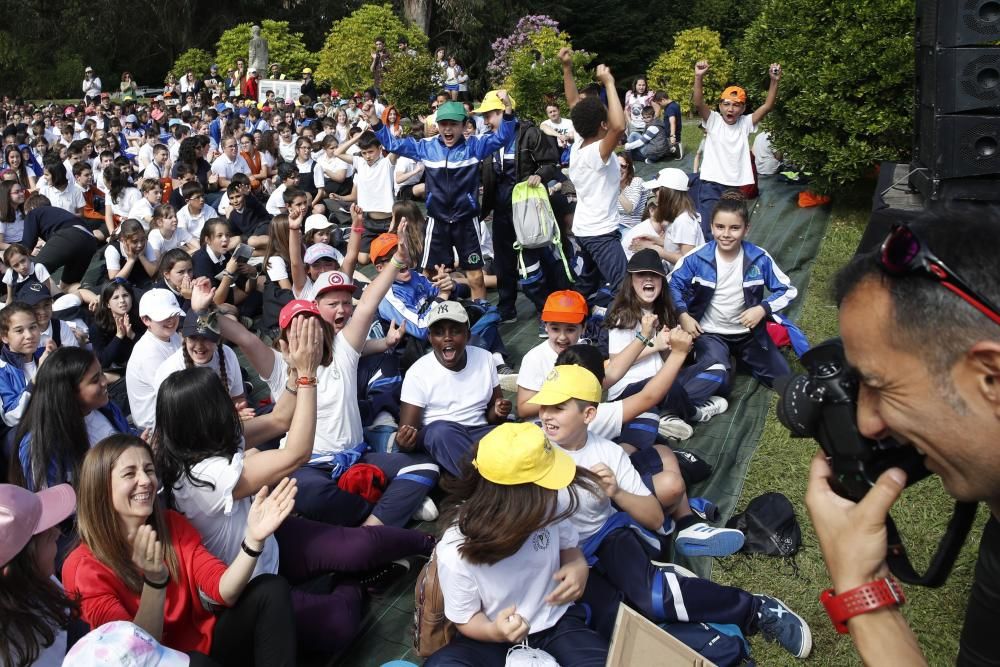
point(926, 349)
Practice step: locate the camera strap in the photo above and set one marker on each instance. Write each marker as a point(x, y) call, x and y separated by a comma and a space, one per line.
point(944, 558)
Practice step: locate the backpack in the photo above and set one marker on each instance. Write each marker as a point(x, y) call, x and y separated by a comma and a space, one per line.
point(769, 525)
point(431, 629)
point(535, 225)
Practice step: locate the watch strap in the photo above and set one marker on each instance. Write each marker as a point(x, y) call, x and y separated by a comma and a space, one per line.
point(861, 600)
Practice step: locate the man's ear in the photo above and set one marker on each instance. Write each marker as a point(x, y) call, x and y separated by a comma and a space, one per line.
point(984, 358)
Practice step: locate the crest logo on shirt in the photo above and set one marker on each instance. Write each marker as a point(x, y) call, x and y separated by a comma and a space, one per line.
point(754, 272)
point(474, 258)
point(552, 376)
point(541, 540)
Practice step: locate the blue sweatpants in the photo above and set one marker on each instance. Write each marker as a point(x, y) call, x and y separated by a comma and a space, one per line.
point(411, 477)
point(660, 596)
point(569, 641)
point(604, 262)
point(764, 359)
point(450, 444)
point(706, 196)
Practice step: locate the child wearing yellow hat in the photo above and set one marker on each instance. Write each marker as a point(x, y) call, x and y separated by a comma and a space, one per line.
point(509, 566)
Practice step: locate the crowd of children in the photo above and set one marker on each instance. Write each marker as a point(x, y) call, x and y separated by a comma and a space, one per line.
point(219, 427)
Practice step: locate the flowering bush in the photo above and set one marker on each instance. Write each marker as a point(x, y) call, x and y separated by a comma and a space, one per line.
point(536, 77)
point(504, 48)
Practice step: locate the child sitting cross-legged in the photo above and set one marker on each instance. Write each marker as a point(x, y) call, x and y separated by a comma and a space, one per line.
point(514, 575)
point(613, 537)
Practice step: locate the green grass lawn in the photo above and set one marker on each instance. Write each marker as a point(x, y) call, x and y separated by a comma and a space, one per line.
point(781, 463)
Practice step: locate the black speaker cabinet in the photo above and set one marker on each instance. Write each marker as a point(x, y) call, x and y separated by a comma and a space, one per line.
point(956, 80)
point(958, 22)
point(959, 145)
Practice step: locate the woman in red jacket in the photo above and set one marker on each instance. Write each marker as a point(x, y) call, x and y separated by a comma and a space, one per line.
point(143, 564)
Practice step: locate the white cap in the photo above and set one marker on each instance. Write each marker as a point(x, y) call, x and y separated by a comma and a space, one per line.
point(123, 643)
point(671, 177)
point(317, 221)
point(159, 304)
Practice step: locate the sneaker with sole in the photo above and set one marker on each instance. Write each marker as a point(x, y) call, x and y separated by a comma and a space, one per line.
point(508, 378)
point(715, 405)
point(704, 540)
point(674, 427)
point(780, 624)
point(508, 319)
point(428, 511)
point(704, 508)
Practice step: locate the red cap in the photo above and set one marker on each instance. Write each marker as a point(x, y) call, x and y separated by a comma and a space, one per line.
point(565, 306)
point(293, 308)
point(382, 246)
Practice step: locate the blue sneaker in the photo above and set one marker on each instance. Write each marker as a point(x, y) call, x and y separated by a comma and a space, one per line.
point(704, 508)
point(704, 540)
point(780, 624)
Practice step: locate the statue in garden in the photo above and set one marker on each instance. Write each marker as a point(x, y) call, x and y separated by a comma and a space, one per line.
point(258, 50)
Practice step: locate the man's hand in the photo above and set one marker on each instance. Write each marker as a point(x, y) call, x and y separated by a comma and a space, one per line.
point(690, 325)
point(751, 317)
point(852, 535)
point(566, 56)
point(700, 68)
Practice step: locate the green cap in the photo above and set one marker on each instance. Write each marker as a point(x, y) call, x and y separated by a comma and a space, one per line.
point(451, 111)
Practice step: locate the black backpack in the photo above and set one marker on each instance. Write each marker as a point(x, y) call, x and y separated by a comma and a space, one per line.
point(769, 525)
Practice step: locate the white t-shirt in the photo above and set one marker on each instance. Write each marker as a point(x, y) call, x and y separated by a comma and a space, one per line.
point(277, 269)
point(596, 183)
point(50, 656)
point(536, 365)
point(645, 368)
point(156, 245)
point(722, 316)
point(71, 199)
point(114, 256)
point(459, 397)
point(276, 201)
point(225, 167)
point(375, 184)
point(523, 579)
point(338, 418)
point(147, 356)
point(594, 510)
point(684, 230)
point(644, 228)
point(98, 427)
point(609, 420)
point(145, 156)
point(126, 200)
point(37, 270)
point(142, 211)
point(727, 151)
point(767, 162)
point(404, 165)
point(220, 519)
point(193, 223)
point(175, 362)
point(564, 128)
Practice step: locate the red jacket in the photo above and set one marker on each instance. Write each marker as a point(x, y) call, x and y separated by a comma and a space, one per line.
point(187, 625)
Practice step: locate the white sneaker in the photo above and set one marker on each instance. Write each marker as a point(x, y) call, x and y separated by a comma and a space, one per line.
point(704, 540)
point(428, 511)
point(715, 405)
point(672, 426)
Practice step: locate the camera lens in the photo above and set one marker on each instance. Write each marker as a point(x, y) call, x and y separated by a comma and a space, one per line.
point(798, 407)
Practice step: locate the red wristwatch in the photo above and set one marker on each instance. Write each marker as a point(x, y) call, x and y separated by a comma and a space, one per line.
point(861, 600)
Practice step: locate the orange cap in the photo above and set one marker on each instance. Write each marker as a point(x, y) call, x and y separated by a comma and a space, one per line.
point(382, 246)
point(565, 306)
point(734, 93)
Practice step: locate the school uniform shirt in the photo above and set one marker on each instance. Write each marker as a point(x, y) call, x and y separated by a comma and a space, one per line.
point(722, 315)
point(312, 167)
point(126, 200)
point(609, 420)
point(375, 184)
point(156, 244)
point(147, 356)
point(175, 362)
point(523, 579)
point(153, 171)
point(405, 165)
point(37, 271)
point(727, 156)
point(13, 231)
point(226, 168)
point(460, 397)
point(596, 182)
point(187, 624)
point(70, 199)
point(252, 220)
point(220, 519)
point(142, 211)
point(98, 426)
point(643, 369)
point(193, 223)
point(537, 363)
point(644, 228)
point(276, 202)
point(66, 337)
point(277, 269)
point(594, 510)
point(684, 230)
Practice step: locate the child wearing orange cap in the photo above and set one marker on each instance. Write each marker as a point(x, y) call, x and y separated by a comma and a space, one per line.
point(727, 162)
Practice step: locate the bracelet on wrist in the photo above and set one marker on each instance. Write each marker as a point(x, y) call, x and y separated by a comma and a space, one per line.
point(291, 390)
point(157, 585)
point(398, 264)
point(253, 553)
point(868, 597)
point(359, 230)
point(645, 341)
point(305, 382)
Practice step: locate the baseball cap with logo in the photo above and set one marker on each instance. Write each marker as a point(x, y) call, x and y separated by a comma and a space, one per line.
point(447, 310)
point(332, 280)
point(198, 326)
point(123, 643)
point(24, 514)
point(565, 306)
point(318, 251)
point(734, 93)
point(520, 454)
point(296, 307)
point(159, 304)
point(382, 246)
point(566, 382)
point(32, 292)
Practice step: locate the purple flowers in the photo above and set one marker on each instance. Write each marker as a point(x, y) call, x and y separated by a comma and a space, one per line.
point(504, 47)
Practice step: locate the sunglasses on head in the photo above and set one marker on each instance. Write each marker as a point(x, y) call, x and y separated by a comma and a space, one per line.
point(903, 253)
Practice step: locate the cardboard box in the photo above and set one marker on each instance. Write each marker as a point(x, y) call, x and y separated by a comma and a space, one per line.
point(637, 642)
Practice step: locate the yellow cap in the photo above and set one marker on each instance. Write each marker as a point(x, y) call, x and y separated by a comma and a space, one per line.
point(566, 382)
point(492, 102)
point(520, 454)
point(306, 70)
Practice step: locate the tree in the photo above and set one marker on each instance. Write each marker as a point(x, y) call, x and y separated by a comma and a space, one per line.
point(197, 60)
point(407, 83)
point(284, 47)
point(536, 76)
point(673, 71)
point(345, 59)
point(846, 96)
